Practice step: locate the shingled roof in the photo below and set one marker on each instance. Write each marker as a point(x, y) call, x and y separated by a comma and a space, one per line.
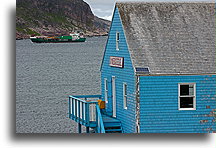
point(170, 38)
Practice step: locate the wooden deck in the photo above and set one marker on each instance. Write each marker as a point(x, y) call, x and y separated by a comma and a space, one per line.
point(109, 119)
point(87, 112)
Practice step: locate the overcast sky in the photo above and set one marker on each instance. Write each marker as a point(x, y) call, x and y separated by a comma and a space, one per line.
point(104, 8)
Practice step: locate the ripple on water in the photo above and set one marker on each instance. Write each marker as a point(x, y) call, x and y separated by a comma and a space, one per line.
point(46, 74)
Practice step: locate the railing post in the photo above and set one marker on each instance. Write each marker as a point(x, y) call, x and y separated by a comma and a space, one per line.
point(87, 129)
point(75, 106)
point(87, 113)
point(83, 120)
point(78, 110)
point(72, 107)
point(69, 107)
point(79, 128)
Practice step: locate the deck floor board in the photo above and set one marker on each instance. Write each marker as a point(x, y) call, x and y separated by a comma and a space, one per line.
point(109, 119)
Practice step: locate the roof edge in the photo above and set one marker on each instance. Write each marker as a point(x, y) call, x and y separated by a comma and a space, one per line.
point(107, 38)
point(173, 74)
point(163, 2)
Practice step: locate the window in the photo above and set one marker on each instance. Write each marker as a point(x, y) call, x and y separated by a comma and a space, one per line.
point(117, 40)
point(106, 90)
point(125, 95)
point(187, 96)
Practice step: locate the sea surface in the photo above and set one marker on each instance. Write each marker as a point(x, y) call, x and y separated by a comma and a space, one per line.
point(46, 73)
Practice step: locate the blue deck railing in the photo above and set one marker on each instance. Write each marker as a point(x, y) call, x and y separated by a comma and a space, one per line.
point(85, 111)
point(99, 121)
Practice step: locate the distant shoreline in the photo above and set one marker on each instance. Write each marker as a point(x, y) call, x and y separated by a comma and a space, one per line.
point(24, 38)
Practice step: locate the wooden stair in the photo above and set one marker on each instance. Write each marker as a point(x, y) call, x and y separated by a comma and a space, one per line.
point(111, 124)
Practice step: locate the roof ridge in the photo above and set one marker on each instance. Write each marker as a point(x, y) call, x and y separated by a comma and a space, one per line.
point(162, 2)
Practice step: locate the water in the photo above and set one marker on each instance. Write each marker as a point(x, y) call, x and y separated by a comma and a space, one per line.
point(46, 74)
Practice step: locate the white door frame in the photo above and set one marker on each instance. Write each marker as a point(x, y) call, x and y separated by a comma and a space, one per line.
point(114, 96)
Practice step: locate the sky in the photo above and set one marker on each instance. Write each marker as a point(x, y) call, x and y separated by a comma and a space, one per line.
point(104, 8)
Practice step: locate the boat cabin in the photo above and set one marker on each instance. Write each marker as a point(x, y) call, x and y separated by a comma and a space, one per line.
point(158, 72)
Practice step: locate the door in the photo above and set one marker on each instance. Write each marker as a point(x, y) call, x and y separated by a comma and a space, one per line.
point(113, 97)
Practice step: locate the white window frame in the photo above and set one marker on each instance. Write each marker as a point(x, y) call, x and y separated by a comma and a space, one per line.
point(194, 96)
point(106, 90)
point(125, 98)
point(117, 40)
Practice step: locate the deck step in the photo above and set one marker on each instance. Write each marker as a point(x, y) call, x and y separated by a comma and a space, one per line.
point(113, 124)
point(113, 131)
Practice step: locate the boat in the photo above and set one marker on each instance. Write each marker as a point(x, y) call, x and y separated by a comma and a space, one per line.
point(73, 37)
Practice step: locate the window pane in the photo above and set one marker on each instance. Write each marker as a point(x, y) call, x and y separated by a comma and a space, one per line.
point(184, 90)
point(117, 41)
point(125, 101)
point(186, 102)
point(106, 87)
point(191, 89)
point(117, 36)
point(106, 90)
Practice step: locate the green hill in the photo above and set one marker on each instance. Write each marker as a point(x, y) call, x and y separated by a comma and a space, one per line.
point(57, 17)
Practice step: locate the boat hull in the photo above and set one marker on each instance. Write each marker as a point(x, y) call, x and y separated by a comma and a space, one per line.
point(44, 40)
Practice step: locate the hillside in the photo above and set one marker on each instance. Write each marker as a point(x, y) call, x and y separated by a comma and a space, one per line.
point(57, 17)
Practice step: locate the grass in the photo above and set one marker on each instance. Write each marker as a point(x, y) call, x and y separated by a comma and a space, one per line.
point(27, 31)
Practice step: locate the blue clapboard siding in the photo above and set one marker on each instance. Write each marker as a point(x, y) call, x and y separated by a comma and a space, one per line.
point(126, 74)
point(159, 105)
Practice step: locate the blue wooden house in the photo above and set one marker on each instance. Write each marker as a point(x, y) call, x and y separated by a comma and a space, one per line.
point(158, 72)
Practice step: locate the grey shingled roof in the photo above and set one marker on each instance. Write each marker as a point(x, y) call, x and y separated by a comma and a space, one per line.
point(170, 38)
